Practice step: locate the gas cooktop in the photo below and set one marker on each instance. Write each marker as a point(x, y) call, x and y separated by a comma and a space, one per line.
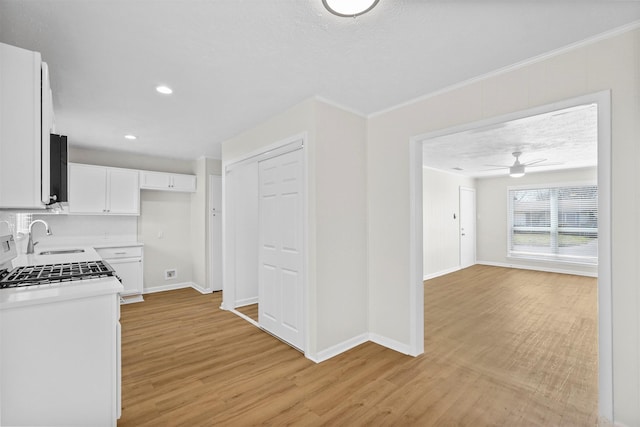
point(55, 273)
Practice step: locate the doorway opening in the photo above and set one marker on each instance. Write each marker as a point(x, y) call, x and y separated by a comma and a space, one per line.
point(448, 138)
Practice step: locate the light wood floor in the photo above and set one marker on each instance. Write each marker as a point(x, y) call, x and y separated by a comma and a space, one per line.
point(251, 311)
point(503, 348)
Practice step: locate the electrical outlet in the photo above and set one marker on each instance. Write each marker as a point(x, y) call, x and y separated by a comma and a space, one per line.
point(170, 274)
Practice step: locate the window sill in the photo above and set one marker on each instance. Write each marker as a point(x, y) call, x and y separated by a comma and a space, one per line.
point(557, 260)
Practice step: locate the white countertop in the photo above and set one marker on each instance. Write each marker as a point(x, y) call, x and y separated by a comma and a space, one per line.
point(88, 254)
point(11, 298)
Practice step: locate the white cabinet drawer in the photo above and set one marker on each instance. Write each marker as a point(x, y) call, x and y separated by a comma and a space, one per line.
point(120, 252)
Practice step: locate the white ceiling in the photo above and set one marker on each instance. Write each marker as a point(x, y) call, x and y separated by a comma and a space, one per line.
point(234, 63)
point(565, 139)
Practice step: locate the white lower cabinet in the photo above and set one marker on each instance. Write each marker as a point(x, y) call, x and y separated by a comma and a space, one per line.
point(127, 261)
point(103, 190)
point(60, 362)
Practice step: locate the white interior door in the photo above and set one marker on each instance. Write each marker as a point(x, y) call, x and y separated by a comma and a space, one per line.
point(467, 227)
point(280, 277)
point(215, 232)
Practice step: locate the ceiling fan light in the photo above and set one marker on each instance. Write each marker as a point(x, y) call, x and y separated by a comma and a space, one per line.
point(349, 8)
point(516, 171)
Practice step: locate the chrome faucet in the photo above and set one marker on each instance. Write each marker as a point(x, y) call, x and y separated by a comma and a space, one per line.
point(31, 244)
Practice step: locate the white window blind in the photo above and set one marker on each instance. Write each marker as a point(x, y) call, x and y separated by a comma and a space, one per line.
point(558, 222)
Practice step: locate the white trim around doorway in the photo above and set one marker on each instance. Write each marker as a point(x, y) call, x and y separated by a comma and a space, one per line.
point(605, 325)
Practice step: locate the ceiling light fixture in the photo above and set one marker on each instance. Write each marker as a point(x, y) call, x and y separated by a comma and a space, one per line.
point(516, 171)
point(165, 90)
point(129, 136)
point(349, 8)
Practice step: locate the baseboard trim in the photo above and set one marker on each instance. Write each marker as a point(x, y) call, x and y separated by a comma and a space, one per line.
point(339, 348)
point(246, 301)
point(245, 317)
point(170, 287)
point(201, 289)
point(130, 299)
point(441, 273)
point(390, 343)
point(538, 268)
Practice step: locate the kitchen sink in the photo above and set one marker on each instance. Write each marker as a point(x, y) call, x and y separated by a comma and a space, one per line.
point(62, 252)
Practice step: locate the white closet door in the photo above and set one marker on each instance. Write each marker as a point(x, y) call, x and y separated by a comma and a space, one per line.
point(467, 227)
point(280, 282)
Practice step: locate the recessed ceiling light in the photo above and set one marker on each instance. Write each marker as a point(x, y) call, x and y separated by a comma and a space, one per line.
point(130, 136)
point(164, 90)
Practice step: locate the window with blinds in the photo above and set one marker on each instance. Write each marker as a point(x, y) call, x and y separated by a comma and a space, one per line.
point(554, 222)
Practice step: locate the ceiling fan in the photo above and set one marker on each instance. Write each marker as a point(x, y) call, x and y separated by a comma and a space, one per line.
point(517, 169)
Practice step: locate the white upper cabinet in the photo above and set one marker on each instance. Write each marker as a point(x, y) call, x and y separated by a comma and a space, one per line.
point(167, 181)
point(87, 189)
point(181, 182)
point(123, 191)
point(25, 123)
point(103, 190)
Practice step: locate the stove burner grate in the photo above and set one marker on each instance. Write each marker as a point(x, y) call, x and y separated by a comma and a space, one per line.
point(55, 273)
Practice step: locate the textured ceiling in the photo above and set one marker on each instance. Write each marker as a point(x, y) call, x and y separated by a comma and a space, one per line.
point(564, 139)
point(234, 63)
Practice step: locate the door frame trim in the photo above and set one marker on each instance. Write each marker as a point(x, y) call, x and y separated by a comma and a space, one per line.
point(605, 308)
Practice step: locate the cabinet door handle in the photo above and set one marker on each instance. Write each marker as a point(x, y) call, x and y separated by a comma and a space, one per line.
point(119, 253)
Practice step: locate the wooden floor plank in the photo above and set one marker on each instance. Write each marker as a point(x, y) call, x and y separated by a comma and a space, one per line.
point(502, 347)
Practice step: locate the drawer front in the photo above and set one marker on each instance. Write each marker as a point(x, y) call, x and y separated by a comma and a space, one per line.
point(125, 252)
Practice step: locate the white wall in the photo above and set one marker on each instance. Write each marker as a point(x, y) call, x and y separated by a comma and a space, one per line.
point(341, 226)
point(77, 229)
point(164, 228)
point(120, 159)
point(492, 218)
point(182, 217)
point(612, 63)
point(296, 120)
point(199, 220)
point(336, 228)
point(440, 230)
